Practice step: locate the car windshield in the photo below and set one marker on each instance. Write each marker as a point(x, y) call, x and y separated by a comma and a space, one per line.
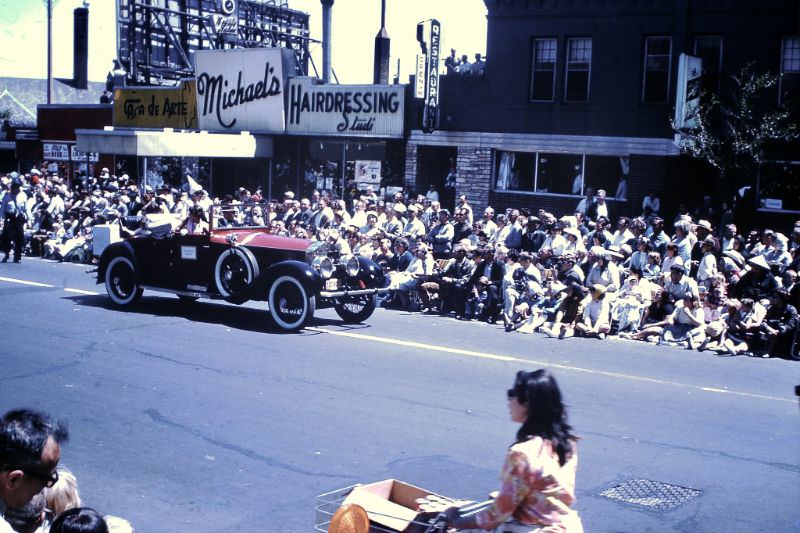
point(238, 215)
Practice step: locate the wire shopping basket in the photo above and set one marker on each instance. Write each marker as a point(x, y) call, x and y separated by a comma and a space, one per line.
point(329, 502)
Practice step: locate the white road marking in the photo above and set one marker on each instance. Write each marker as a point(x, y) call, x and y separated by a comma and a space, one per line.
point(81, 291)
point(24, 282)
point(476, 354)
point(509, 358)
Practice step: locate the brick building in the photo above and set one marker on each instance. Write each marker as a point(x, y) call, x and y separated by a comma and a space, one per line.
point(579, 93)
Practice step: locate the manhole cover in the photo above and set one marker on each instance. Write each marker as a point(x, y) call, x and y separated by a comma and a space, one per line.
point(653, 495)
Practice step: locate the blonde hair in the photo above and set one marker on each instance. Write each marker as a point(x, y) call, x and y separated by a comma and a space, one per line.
point(63, 494)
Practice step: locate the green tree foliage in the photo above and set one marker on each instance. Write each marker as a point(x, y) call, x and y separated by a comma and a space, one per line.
point(733, 132)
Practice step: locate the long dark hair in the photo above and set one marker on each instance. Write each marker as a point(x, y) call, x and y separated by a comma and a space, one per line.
point(547, 416)
point(79, 520)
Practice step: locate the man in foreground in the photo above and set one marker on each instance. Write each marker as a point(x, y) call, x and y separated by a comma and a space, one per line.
point(30, 448)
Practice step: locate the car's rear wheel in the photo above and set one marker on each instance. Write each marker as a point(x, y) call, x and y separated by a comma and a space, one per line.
point(290, 306)
point(356, 310)
point(235, 270)
point(122, 284)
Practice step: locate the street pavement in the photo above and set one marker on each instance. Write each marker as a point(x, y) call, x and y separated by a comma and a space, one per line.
point(202, 418)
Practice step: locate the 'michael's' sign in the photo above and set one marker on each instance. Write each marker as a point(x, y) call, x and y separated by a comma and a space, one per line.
point(240, 90)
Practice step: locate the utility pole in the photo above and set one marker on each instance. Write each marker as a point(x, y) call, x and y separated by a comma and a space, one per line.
point(381, 62)
point(49, 51)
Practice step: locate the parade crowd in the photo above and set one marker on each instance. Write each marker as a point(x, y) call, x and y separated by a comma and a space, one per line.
point(692, 280)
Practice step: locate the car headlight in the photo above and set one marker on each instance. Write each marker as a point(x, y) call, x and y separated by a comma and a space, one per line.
point(353, 267)
point(324, 265)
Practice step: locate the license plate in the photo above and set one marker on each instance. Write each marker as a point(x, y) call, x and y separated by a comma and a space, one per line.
point(331, 284)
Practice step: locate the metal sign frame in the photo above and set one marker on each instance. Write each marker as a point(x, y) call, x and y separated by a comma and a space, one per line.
point(155, 43)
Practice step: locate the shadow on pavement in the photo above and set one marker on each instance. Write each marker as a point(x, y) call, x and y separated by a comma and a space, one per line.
point(208, 311)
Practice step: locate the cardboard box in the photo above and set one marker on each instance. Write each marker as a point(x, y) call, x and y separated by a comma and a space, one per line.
point(389, 503)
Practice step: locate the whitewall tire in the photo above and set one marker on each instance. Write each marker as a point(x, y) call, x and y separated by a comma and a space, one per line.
point(289, 304)
point(122, 284)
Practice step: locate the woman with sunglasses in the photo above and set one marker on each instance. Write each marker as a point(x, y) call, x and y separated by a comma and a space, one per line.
point(538, 477)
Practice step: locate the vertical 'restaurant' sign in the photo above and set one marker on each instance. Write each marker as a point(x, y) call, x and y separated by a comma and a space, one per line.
point(430, 115)
point(240, 90)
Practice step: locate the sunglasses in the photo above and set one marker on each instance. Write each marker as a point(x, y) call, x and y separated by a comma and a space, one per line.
point(48, 480)
point(512, 393)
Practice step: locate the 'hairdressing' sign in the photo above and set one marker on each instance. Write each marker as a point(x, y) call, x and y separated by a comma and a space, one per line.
point(344, 110)
point(240, 90)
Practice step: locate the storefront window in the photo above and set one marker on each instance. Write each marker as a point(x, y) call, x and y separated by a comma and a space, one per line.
point(559, 173)
point(515, 171)
point(607, 172)
point(779, 186)
point(173, 170)
point(564, 174)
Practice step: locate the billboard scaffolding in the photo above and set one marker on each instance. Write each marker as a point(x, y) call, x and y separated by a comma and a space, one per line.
point(156, 39)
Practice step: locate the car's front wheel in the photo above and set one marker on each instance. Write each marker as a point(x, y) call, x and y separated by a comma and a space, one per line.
point(122, 283)
point(356, 310)
point(290, 305)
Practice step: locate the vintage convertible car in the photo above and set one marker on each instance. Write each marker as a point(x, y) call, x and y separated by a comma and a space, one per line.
point(236, 264)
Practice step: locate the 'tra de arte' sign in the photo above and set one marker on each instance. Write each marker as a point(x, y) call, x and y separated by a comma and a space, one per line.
point(240, 90)
point(156, 107)
point(344, 110)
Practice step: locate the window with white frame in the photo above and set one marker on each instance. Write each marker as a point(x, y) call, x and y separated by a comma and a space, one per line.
point(543, 73)
point(709, 49)
point(578, 69)
point(539, 172)
point(657, 64)
point(559, 174)
point(790, 66)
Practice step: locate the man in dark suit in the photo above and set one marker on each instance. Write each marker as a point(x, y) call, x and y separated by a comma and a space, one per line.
point(534, 236)
point(493, 270)
point(452, 286)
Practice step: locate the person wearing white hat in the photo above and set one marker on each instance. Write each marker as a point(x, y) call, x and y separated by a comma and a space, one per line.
point(414, 227)
point(594, 321)
point(778, 254)
point(575, 244)
point(758, 283)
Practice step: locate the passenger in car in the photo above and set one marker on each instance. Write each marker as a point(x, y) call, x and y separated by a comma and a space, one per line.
point(195, 223)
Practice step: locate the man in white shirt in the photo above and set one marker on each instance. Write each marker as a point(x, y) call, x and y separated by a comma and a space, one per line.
point(487, 223)
point(623, 234)
point(600, 207)
point(432, 194)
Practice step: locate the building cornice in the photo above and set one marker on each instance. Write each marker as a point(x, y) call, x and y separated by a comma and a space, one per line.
point(536, 142)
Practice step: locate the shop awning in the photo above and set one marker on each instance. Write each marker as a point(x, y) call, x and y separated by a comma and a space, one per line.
point(169, 143)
